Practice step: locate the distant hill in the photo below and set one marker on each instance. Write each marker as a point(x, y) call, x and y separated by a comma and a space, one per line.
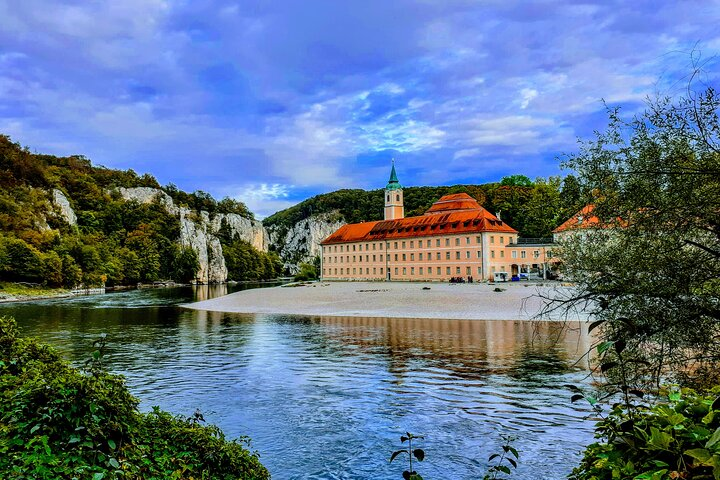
point(65, 222)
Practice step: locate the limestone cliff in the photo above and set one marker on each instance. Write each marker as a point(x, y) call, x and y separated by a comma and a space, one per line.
point(301, 242)
point(63, 204)
point(199, 231)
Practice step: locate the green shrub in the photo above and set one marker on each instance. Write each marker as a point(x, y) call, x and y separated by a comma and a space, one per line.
point(307, 272)
point(60, 422)
point(675, 439)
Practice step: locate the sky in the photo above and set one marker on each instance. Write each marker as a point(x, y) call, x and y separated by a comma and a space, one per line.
point(271, 102)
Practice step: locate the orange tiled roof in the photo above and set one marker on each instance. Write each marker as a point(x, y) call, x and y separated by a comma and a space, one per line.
point(585, 218)
point(458, 213)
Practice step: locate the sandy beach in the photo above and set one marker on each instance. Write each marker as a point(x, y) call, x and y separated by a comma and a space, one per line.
point(479, 301)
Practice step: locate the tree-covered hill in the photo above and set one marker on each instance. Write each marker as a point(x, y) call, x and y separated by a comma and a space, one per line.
point(112, 240)
point(533, 208)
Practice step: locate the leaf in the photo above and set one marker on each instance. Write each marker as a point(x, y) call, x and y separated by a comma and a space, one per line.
point(34, 429)
point(603, 347)
point(98, 476)
point(493, 456)
point(595, 324)
point(573, 388)
point(619, 345)
point(515, 452)
point(114, 463)
point(714, 439)
point(607, 366)
point(659, 440)
point(576, 397)
point(504, 469)
point(74, 439)
point(512, 462)
point(716, 404)
point(702, 455)
point(396, 453)
point(111, 444)
point(404, 439)
point(419, 453)
point(674, 396)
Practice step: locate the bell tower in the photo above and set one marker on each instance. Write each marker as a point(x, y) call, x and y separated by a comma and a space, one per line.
point(394, 206)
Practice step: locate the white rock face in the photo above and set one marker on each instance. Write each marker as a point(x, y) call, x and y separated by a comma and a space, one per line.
point(199, 232)
point(302, 242)
point(61, 201)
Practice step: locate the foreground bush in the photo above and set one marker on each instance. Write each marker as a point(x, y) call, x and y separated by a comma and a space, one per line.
point(59, 422)
point(675, 439)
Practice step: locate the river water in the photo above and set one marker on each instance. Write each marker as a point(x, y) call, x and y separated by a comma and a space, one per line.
point(328, 398)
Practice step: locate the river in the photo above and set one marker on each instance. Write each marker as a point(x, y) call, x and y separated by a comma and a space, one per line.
point(328, 398)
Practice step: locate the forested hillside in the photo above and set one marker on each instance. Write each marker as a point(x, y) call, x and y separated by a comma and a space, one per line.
point(63, 223)
point(534, 208)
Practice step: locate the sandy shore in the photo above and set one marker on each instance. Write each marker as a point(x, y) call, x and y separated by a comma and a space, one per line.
point(477, 301)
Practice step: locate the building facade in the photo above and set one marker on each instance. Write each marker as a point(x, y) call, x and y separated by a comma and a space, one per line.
point(455, 238)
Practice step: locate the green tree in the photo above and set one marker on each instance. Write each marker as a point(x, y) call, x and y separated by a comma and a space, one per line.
point(650, 273)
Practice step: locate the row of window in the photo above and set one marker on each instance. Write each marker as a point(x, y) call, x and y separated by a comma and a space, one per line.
point(429, 271)
point(404, 257)
point(402, 244)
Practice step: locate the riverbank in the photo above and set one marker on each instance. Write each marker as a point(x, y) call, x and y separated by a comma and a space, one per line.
point(478, 301)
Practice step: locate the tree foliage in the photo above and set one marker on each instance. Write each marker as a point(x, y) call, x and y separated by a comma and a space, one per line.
point(650, 274)
point(59, 422)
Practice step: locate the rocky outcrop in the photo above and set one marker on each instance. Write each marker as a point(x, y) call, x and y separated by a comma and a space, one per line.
point(199, 231)
point(63, 204)
point(301, 243)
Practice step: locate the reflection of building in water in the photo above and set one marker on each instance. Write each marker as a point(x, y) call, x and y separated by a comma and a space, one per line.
point(470, 348)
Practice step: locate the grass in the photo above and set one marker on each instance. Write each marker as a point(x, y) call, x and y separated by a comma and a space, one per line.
point(10, 289)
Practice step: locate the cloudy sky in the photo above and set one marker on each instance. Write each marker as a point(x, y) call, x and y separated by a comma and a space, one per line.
point(273, 101)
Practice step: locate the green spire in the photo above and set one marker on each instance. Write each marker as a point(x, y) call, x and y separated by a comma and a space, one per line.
point(393, 184)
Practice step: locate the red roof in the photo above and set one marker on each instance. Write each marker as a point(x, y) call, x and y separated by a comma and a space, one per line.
point(585, 218)
point(452, 214)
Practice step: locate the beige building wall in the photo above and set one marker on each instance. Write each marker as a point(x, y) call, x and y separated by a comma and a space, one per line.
point(431, 258)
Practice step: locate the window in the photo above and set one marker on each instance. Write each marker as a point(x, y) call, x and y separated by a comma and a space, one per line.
point(341, 248)
point(367, 258)
point(514, 254)
point(467, 240)
point(354, 247)
point(502, 239)
point(404, 270)
point(374, 257)
point(447, 255)
point(341, 259)
point(354, 270)
point(381, 270)
point(341, 271)
point(381, 257)
point(522, 254)
point(438, 270)
point(467, 253)
point(492, 253)
point(447, 270)
point(502, 253)
point(536, 253)
point(367, 270)
point(457, 241)
point(353, 258)
point(479, 254)
point(493, 269)
point(396, 257)
point(412, 256)
point(374, 245)
point(396, 270)
point(404, 257)
point(421, 270)
point(403, 245)
point(374, 270)
point(437, 242)
point(479, 270)
point(360, 247)
point(388, 198)
point(419, 243)
point(381, 246)
point(412, 244)
point(412, 270)
point(360, 258)
point(457, 255)
point(438, 255)
point(457, 270)
point(367, 246)
point(492, 238)
point(397, 198)
point(395, 246)
point(420, 256)
point(478, 240)
point(447, 242)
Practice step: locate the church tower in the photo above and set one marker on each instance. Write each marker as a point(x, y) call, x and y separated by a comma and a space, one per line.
point(394, 207)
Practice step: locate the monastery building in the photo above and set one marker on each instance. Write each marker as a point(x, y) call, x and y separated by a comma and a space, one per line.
point(456, 237)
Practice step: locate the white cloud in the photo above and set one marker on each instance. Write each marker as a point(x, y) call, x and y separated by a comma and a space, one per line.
point(526, 96)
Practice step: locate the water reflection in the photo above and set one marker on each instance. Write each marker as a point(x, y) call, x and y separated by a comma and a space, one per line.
point(337, 392)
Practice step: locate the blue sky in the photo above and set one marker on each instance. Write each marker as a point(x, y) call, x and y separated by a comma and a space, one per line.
point(273, 101)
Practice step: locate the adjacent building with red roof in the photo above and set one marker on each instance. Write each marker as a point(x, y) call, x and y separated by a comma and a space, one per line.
point(456, 237)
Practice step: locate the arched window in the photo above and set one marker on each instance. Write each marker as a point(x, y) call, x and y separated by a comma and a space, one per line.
point(397, 198)
point(388, 198)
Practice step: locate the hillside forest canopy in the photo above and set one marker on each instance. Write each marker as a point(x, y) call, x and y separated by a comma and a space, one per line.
point(115, 242)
